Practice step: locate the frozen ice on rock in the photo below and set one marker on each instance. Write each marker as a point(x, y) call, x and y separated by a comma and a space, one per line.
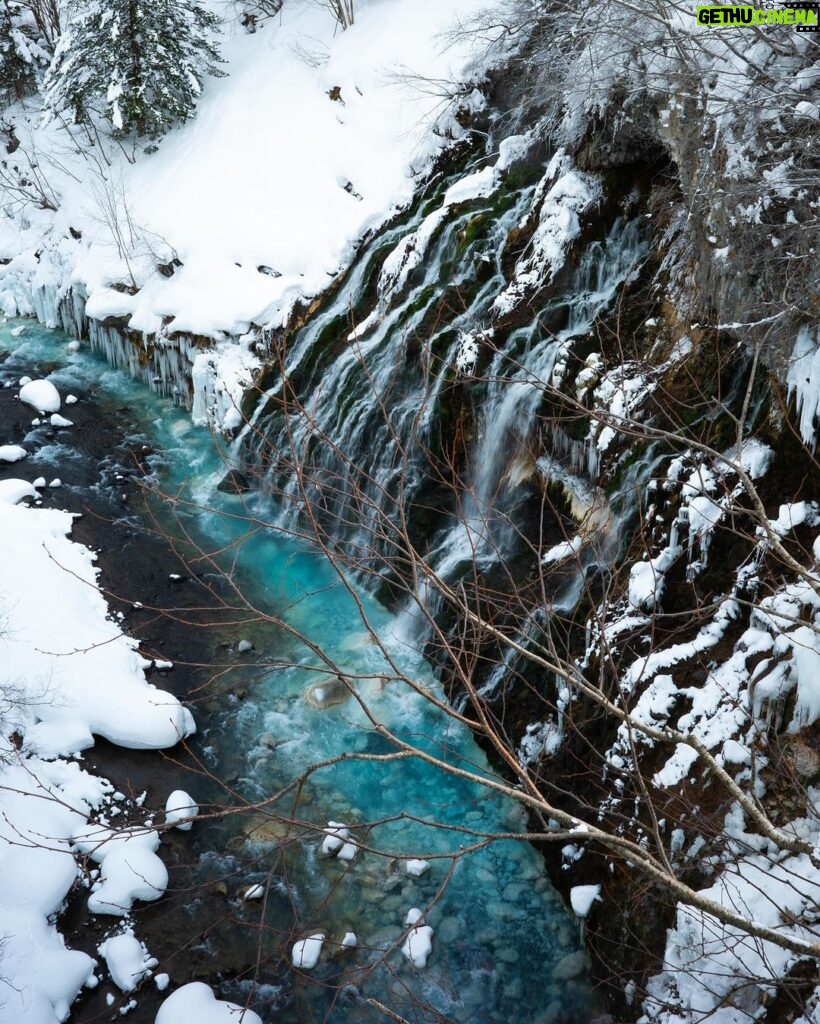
point(582, 897)
point(127, 959)
point(70, 399)
point(15, 332)
point(161, 981)
point(39, 482)
point(41, 395)
point(178, 807)
point(60, 421)
point(195, 1003)
point(416, 867)
point(56, 482)
point(350, 940)
point(306, 952)
point(24, 380)
point(73, 346)
point(244, 646)
point(12, 453)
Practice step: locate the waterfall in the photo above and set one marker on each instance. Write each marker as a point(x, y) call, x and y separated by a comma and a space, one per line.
point(365, 415)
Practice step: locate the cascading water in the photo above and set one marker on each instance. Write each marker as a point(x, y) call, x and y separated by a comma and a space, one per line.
point(371, 408)
point(504, 948)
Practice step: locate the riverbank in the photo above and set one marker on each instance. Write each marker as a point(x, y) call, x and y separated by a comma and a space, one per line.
point(104, 463)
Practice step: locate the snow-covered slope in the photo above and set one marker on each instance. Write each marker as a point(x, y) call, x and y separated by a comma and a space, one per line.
point(312, 139)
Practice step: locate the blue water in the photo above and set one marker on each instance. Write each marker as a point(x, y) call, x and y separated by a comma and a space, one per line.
point(499, 927)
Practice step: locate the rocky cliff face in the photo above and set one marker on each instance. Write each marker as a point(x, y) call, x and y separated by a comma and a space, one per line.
point(567, 373)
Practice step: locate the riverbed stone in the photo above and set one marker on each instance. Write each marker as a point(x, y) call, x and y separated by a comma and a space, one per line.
point(571, 966)
point(448, 928)
point(514, 891)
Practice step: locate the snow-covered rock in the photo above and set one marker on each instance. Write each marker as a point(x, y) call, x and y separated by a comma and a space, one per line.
point(306, 952)
point(12, 452)
point(41, 395)
point(178, 807)
point(418, 945)
point(582, 897)
point(127, 959)
point(195, 1003)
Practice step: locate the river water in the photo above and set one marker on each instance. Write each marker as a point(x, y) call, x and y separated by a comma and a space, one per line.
point(500, 930)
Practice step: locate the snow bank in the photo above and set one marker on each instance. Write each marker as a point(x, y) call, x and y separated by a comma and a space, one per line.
point(70, 675)
point(562, 198)
point(37, 800)
point(418, 945)
point(81, 676)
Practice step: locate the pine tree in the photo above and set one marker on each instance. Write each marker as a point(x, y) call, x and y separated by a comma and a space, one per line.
point(20, 53)
point(141, 62)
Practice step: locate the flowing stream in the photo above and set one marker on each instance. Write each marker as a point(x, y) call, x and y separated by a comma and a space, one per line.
point(504, 944)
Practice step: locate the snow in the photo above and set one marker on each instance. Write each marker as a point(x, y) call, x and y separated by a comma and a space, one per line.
point(646, 579)
point(129, 867)
point(12, 491)
point(267, 185)
point(413, 916)
point(566, 549)
point(60, 642)
point(41, 395)
point(563, 196)
point(195, 1003)
point(73, 675)
point(306, 952)
point(12, 453)
point(179, 807)
point(582, 897)
point(418, 945)
point(416, 867)
point(127, 960)
point(60, 421)
point(336, 834)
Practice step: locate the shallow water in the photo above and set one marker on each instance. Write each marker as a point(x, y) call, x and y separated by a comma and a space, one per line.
point(499, 927)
